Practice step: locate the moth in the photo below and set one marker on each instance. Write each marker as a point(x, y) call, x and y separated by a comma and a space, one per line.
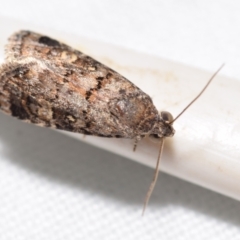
point(50, 84)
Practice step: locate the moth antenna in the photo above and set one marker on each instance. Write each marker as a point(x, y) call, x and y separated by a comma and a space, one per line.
point(155, 177)
point(209, 81)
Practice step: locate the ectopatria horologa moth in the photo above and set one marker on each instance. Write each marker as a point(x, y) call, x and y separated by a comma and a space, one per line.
point(50, 84)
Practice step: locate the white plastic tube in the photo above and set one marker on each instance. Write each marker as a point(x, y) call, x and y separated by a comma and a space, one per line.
point(206, 147)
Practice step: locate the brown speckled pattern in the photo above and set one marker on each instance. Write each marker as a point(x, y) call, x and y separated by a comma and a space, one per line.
point(50, 84)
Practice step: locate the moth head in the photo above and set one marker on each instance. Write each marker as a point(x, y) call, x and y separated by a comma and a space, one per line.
point(164, 127)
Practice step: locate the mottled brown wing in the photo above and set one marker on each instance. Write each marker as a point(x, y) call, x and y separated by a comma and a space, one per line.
point(48, 83)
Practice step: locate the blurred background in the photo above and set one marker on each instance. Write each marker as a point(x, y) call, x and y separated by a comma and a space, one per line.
point(55, 187)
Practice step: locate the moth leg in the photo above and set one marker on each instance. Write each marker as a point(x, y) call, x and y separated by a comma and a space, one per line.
point(137, 139)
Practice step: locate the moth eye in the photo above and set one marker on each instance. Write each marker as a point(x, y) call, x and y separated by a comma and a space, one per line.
point(155, 138)
point(166, 116)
